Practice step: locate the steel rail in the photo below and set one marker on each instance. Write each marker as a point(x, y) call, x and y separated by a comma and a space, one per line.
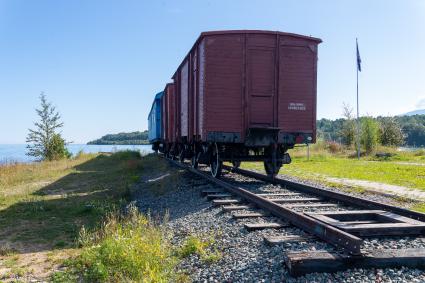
point(336, 196)
point(326, 232)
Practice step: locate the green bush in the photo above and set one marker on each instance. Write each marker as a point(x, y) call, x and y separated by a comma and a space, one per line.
point(391, 133)
point(126, 248)
point(193, 245)
point(44, 142)
point(370, 134)
point(201, 247)
point(420, 152)
point(56, 149)
point(348, 129)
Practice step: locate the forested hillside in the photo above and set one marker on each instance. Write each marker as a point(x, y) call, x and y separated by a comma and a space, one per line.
point(413, 128)
point(123, 138)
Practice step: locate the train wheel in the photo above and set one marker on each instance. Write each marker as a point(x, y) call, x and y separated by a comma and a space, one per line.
point(216, 163)
point(271, 170)
point(236, 164)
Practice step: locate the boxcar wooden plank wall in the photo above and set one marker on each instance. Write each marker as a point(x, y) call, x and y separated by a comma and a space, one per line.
point(297, 95)
point(184, 100)
point(170, 113)
point(223, 96)
point(191, 97)
point(232, 81)
point(201, 85)
point(261, 66)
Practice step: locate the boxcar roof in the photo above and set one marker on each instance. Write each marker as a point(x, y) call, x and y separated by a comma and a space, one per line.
point(318, 40)
point(219, 32)
point(167, 85)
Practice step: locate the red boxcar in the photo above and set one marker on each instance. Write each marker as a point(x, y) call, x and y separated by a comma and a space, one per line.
point(169, 128)
point(164, 112)
point(245, 96)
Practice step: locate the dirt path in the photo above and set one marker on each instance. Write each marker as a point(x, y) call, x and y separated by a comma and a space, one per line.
point(410, 163)
point(381, 187)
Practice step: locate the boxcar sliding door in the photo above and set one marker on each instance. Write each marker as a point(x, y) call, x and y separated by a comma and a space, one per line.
point(261, 86)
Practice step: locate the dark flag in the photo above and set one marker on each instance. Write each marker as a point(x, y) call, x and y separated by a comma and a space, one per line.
point(359, 60)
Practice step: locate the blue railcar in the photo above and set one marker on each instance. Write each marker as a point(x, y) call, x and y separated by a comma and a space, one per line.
point(155, 122)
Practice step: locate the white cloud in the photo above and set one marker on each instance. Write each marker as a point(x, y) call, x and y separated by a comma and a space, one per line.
point(421, 104)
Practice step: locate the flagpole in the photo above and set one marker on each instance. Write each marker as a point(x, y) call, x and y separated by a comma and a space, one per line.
point(358, 119)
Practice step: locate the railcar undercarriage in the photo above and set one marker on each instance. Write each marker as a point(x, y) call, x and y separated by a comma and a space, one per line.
point(214, 154)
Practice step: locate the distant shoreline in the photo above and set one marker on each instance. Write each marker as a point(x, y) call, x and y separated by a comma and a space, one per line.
point(133, 138)
point(12, 153)
point(120, 143)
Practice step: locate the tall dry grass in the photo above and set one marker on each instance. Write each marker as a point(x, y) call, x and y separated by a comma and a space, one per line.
point(15, 173)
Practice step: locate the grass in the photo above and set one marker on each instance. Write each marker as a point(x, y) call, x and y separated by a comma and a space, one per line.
point(326, 162)
point(393, 170)
point(161, 180)
point(124, 249)
point(130, 248)
point(44, 205)
point(48, 202)
point(420, 206)
point(204, 247)
point(69, 214)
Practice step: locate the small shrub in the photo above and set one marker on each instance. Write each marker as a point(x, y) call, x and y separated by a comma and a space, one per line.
point(370, 134)
point(126, 248)
point(57, 149)
point(200, 247)
point(84, 237)
point(193, 245)
point(391, 133)
point(348, 129)
point(212, 257)
point(384, 156)
point(63, 277)
point(334, 147)
point(420, 152)
point(6, 250)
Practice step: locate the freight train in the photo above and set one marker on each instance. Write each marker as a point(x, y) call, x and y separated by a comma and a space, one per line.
point(239, 96)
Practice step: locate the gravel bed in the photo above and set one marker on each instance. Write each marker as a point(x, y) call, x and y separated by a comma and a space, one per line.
point(371, 195)
point(245, 256)
point(374, 196)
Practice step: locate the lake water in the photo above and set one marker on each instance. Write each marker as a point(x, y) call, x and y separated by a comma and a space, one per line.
point(16, 152)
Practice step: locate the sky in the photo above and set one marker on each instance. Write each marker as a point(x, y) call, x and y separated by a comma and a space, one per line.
point(101, 62)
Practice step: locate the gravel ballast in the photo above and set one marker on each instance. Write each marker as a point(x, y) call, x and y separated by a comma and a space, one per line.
point(244, 255)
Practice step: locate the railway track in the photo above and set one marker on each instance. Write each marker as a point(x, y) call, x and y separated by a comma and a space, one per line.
point(339, 219)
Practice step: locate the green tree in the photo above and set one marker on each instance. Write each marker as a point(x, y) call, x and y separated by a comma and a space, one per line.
point(57, 148)
point(413, 128)
point(348, 130)
point(391, 133)
point(370, 134)
point(44, 142)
